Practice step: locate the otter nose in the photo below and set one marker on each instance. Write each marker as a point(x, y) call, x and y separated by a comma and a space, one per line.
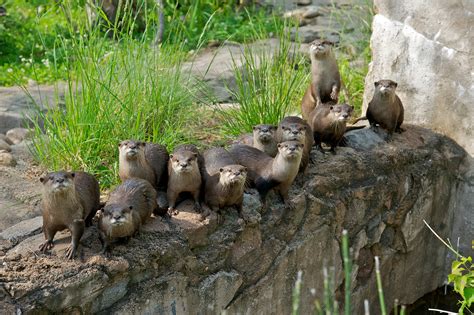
point(264, 129)
point(117, 216)
point(292, 149)
point(60, 180)
point(345, 115)
point(183, 164)
point(237, 173)
point(295, 132)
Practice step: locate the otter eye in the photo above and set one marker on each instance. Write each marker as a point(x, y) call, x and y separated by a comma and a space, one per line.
point(51, 177)
point(189, 160)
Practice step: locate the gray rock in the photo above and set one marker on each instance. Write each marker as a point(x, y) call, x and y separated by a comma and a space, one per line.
point(304, 2)
point(309, 33)
point(363, 139)
point(4, 146)
point(187, 264)
point(22, 230)
point(6, 159)
point(422, 51)
point(17, 135)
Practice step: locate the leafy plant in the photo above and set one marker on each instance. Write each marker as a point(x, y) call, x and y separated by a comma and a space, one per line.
point(461, 276)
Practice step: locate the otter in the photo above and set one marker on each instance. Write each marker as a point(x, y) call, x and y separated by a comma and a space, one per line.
point(293, 128)
point(184, 171)
point(70, 201)
point(325, 77)
point(143, 160)
point(385, 109)
point(224, 180)
point(129, 206)
point(263, 138)
point(328, 123)
point(267, 173)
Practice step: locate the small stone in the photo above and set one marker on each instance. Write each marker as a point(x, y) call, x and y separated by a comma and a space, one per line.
point(17, 135)
point(311, 12)
point(5, 138)
point(4, 146)
point(6, 159)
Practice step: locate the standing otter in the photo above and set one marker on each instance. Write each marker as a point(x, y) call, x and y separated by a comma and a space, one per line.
point(70, 201)
point(184, 175)
point(128, 207)
point(385, 108)
point(268, 173)
point(143, 160)
point(328, 123)
point(263, 138)
point(325, 78)
point(224, 179)
point(293, 128)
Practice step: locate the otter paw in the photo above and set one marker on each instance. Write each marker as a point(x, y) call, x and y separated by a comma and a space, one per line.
point(197, 208)
point(172, 211)
point(46, 246)
point(70, 252)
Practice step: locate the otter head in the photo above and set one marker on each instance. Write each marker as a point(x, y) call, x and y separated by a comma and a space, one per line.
point(386, 87)
point(184, 161)
point(58, 182)
point(341, 112)
point(293, 132)
point(232, 174)
point(290, 149)
point(264, 133)
point(117, 214)
point(320, 49)
point(131, 149)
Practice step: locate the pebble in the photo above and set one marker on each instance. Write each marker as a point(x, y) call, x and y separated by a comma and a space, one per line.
point(6, 159)
point(4, 146)
point(17, 135)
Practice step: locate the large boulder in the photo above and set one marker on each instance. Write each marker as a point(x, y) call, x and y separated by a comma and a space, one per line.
point(184, 265)
point(427, 46)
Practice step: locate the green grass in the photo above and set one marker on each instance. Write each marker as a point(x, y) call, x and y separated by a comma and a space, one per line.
point(129, 90)
point(37, 35)
point(269, 85)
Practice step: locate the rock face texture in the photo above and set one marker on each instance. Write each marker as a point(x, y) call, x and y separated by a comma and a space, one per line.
point(427, 46)
point(380, 193)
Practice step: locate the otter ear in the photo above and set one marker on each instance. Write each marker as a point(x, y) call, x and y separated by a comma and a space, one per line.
point(376, 83)
point(302, 145)
point(73, 174)
point(171, 156)
point(331, 108)
point(195, 155)
point(279, 145)
point(352, 107)
point(255, 128)
point(43, 179)
point(221, 170)
point(141, 143)
point(395, 84)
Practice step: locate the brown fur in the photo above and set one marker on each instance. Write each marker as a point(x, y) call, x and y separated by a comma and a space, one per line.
point(328, 123)
point(266, 173)
point(149, 162)
point(184, 175)
point(71, 206)
point(131, 204)
point(325, 78)
point(224, 179)
point(262, 138)
point(293, 128)
point(385, 109)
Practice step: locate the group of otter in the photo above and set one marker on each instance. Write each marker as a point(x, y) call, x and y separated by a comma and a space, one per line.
point(270, 158)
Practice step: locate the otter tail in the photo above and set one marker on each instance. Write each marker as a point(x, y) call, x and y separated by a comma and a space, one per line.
point(359, 119)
